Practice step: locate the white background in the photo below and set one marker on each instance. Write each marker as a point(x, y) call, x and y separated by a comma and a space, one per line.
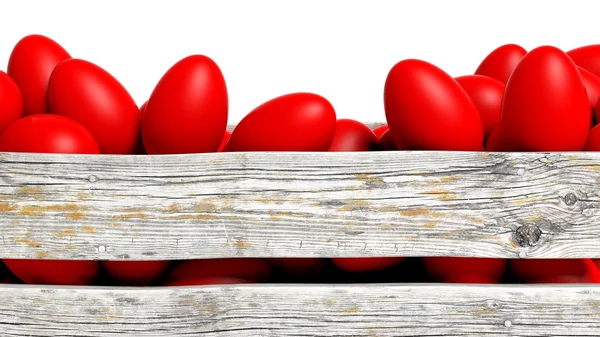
point(342, 50)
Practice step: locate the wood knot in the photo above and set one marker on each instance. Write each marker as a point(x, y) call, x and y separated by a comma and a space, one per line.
point(527, 235)
point(570, 199)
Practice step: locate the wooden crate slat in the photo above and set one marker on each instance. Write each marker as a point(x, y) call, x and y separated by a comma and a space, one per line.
point(214, 205)
point(292, 310)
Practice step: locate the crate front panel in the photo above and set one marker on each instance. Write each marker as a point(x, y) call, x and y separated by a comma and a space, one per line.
point(299, 205)
point(261, 310)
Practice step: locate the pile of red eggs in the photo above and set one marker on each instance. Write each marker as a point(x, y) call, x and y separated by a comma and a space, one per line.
point(541, 100)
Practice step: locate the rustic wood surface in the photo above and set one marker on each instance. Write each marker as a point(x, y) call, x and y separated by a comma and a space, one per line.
point(509, 205)
point(251, 310)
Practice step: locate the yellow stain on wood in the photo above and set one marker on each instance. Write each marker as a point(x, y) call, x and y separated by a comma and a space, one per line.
point(65, 233)
point(42, 255)
point(430, 224)
point(71, 211)
point(352, 310)
point(373, 332)
point(527, 200)
point(35, 192)
point(368, 178)
point(388, 209)
point(16, 222)
point(417, 173)
point(71, 246)
point(534, 218)
point(594, 168)
point(353, 205)
point(386, 225)
point(128, 216)
point(206, 309)
point(410, 236)
point(415, 212)
point(173, 208)
point(442, 180)
point(88, 230)
point(29, 210)
point(329, 302)
point(483, 155)
point(115, 224)
point(6, 207)
point(205, 207)
point(83, 196)
point(571, 158)
point(443, 195)
point(196, 217)
point(241, 244)
point(75, 216)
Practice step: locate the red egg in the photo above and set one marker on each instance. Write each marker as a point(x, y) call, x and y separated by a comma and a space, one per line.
point(501, 62)
point(225, 140)
point(188, 110)
point(54, 272)
point(143, 108)
point(587, 57)
point(486, 93)
point(426, 109)
point(378, 131)
point(444, 267)
point(351, 135)
point(202, 281)
point(89, 95)
point(30, 65)
point(245, 268)
point(135, 273)
point(48, 134)
point(11, 102)
point(537, 269)
point(593, 140)
point(386, 143)
point(367, 264)
point(292, 122)
point(545, 105)
point(591, 83)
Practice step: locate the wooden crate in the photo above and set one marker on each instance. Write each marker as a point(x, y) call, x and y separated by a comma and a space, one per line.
point(503, 205)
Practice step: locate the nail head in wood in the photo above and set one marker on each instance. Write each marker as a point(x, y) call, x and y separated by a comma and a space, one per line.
point(570, 199)
point(507, 323)
point(527, 235)
point(92, 178)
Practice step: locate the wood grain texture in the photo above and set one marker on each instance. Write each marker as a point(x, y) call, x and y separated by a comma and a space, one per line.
point(506, 205)
point(250, 310)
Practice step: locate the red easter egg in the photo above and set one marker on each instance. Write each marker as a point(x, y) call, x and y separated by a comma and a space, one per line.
point(545, 105)
point(187, 111)
point(351, 135)
point(48, 134)
point(89, 95)
point(501, 62)
point(136, 273)
point(11, 101)
point(245, 268)
point(486, 93)
point(443, 267)
point(292, 122)
point(587, 57)
point(426, 109)
point(30, 65)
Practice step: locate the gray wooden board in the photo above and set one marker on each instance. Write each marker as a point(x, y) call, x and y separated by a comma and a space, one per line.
point(352, 204)
point(279, 310)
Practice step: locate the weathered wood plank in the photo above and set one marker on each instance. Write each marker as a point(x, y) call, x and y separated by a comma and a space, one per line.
point(279, 310)
point(299, 205)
